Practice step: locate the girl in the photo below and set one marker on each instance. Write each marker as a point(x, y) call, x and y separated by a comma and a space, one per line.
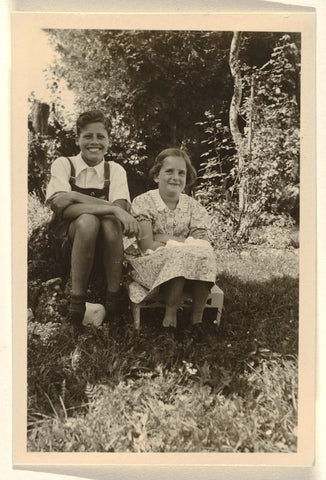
point(173, 246)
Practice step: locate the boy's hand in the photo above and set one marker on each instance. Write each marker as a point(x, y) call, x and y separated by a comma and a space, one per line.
point(131, 227)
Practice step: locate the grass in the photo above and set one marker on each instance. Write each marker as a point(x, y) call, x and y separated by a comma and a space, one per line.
point(166, 411)
point(116, 392)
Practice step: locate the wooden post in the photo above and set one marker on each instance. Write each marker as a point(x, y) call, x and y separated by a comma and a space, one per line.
point(40, 117)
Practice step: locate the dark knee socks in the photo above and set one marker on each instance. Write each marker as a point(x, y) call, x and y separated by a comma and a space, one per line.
point(77, 308)
point(113, 302)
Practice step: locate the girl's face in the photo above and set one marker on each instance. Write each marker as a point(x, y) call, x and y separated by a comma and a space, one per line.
point(93, 142)
point(171, 178)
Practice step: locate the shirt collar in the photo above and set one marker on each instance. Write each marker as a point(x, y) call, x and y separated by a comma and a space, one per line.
point(81, 165)
point(160, 205)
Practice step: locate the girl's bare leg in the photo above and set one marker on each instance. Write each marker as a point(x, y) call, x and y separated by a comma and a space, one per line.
point(200, 291)
point(172, 294)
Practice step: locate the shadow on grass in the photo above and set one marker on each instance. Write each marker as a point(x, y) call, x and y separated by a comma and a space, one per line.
point(259, 320)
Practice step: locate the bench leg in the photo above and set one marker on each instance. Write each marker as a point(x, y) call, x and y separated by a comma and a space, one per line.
point(135, 310)
point(218, 317)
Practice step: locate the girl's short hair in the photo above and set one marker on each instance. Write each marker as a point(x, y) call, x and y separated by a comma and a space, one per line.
point(93, 116)
point(174, 152)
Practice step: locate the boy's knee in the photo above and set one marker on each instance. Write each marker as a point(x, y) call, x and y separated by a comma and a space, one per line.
point(87, 224)
point(112, 228)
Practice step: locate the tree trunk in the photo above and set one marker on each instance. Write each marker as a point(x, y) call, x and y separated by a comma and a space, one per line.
point(234, 113)
point(40, 117)
point(250, 126)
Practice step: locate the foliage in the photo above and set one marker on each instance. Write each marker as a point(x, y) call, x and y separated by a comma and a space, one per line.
point(273, 163)
point(41, 152)
point(128, 150)
point(160, 82)
point(271, 169)
point(38, 213)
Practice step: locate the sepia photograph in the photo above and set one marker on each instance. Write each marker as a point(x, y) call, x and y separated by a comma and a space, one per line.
point(163, 239)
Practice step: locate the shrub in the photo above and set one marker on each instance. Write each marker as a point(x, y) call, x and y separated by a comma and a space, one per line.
point(41, 152)
point(269, 176)
point(38, 213)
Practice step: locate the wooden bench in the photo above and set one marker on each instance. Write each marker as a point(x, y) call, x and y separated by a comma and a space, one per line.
point(214, 300)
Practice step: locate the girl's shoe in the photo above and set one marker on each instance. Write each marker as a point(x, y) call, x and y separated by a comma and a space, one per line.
point(197, 332)
point(168, 332)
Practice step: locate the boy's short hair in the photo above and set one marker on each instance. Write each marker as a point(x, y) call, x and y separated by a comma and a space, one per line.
point(93, 116)
point(174, 152)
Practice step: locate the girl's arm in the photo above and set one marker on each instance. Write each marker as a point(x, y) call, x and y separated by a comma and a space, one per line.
point(130, 226)
point(164, 237)
point(146, 240)
point(199, 222)
point(199, 233)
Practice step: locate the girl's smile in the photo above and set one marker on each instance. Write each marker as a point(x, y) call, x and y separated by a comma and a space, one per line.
point(93, 142)
point(171, 178)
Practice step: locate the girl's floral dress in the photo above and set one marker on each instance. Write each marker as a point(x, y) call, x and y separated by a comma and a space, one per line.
point(194, 259)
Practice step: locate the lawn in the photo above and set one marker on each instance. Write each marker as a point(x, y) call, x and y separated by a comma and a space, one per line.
point(119, 392)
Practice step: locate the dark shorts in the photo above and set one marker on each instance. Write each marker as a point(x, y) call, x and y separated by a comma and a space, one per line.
point(59, 229)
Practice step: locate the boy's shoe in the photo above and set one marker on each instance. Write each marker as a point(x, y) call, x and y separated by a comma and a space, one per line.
point(77, 309)
point(113, 304)
point(73, 327)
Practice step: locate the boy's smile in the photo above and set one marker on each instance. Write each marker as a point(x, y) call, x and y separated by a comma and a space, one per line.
point(93, 142)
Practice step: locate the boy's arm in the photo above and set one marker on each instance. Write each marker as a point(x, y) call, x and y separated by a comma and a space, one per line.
point(130, 225)
point(59, 194)
point(122, 203)
point(62, 200)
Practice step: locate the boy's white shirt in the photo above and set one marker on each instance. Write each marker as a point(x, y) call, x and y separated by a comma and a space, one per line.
point(87, 177)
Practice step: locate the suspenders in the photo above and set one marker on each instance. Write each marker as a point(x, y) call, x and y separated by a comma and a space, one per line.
point(94, 192)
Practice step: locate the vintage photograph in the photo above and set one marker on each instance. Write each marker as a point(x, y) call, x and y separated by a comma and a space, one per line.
point(163, 240)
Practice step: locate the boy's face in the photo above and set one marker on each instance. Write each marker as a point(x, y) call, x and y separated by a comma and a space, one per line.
point(93, 142)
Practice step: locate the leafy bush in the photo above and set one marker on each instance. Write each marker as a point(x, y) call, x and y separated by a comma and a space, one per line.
point(38, 213)
point(270, 174)
point(41, 152)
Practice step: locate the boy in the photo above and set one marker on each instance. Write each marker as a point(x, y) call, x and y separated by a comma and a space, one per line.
point(90, 199)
